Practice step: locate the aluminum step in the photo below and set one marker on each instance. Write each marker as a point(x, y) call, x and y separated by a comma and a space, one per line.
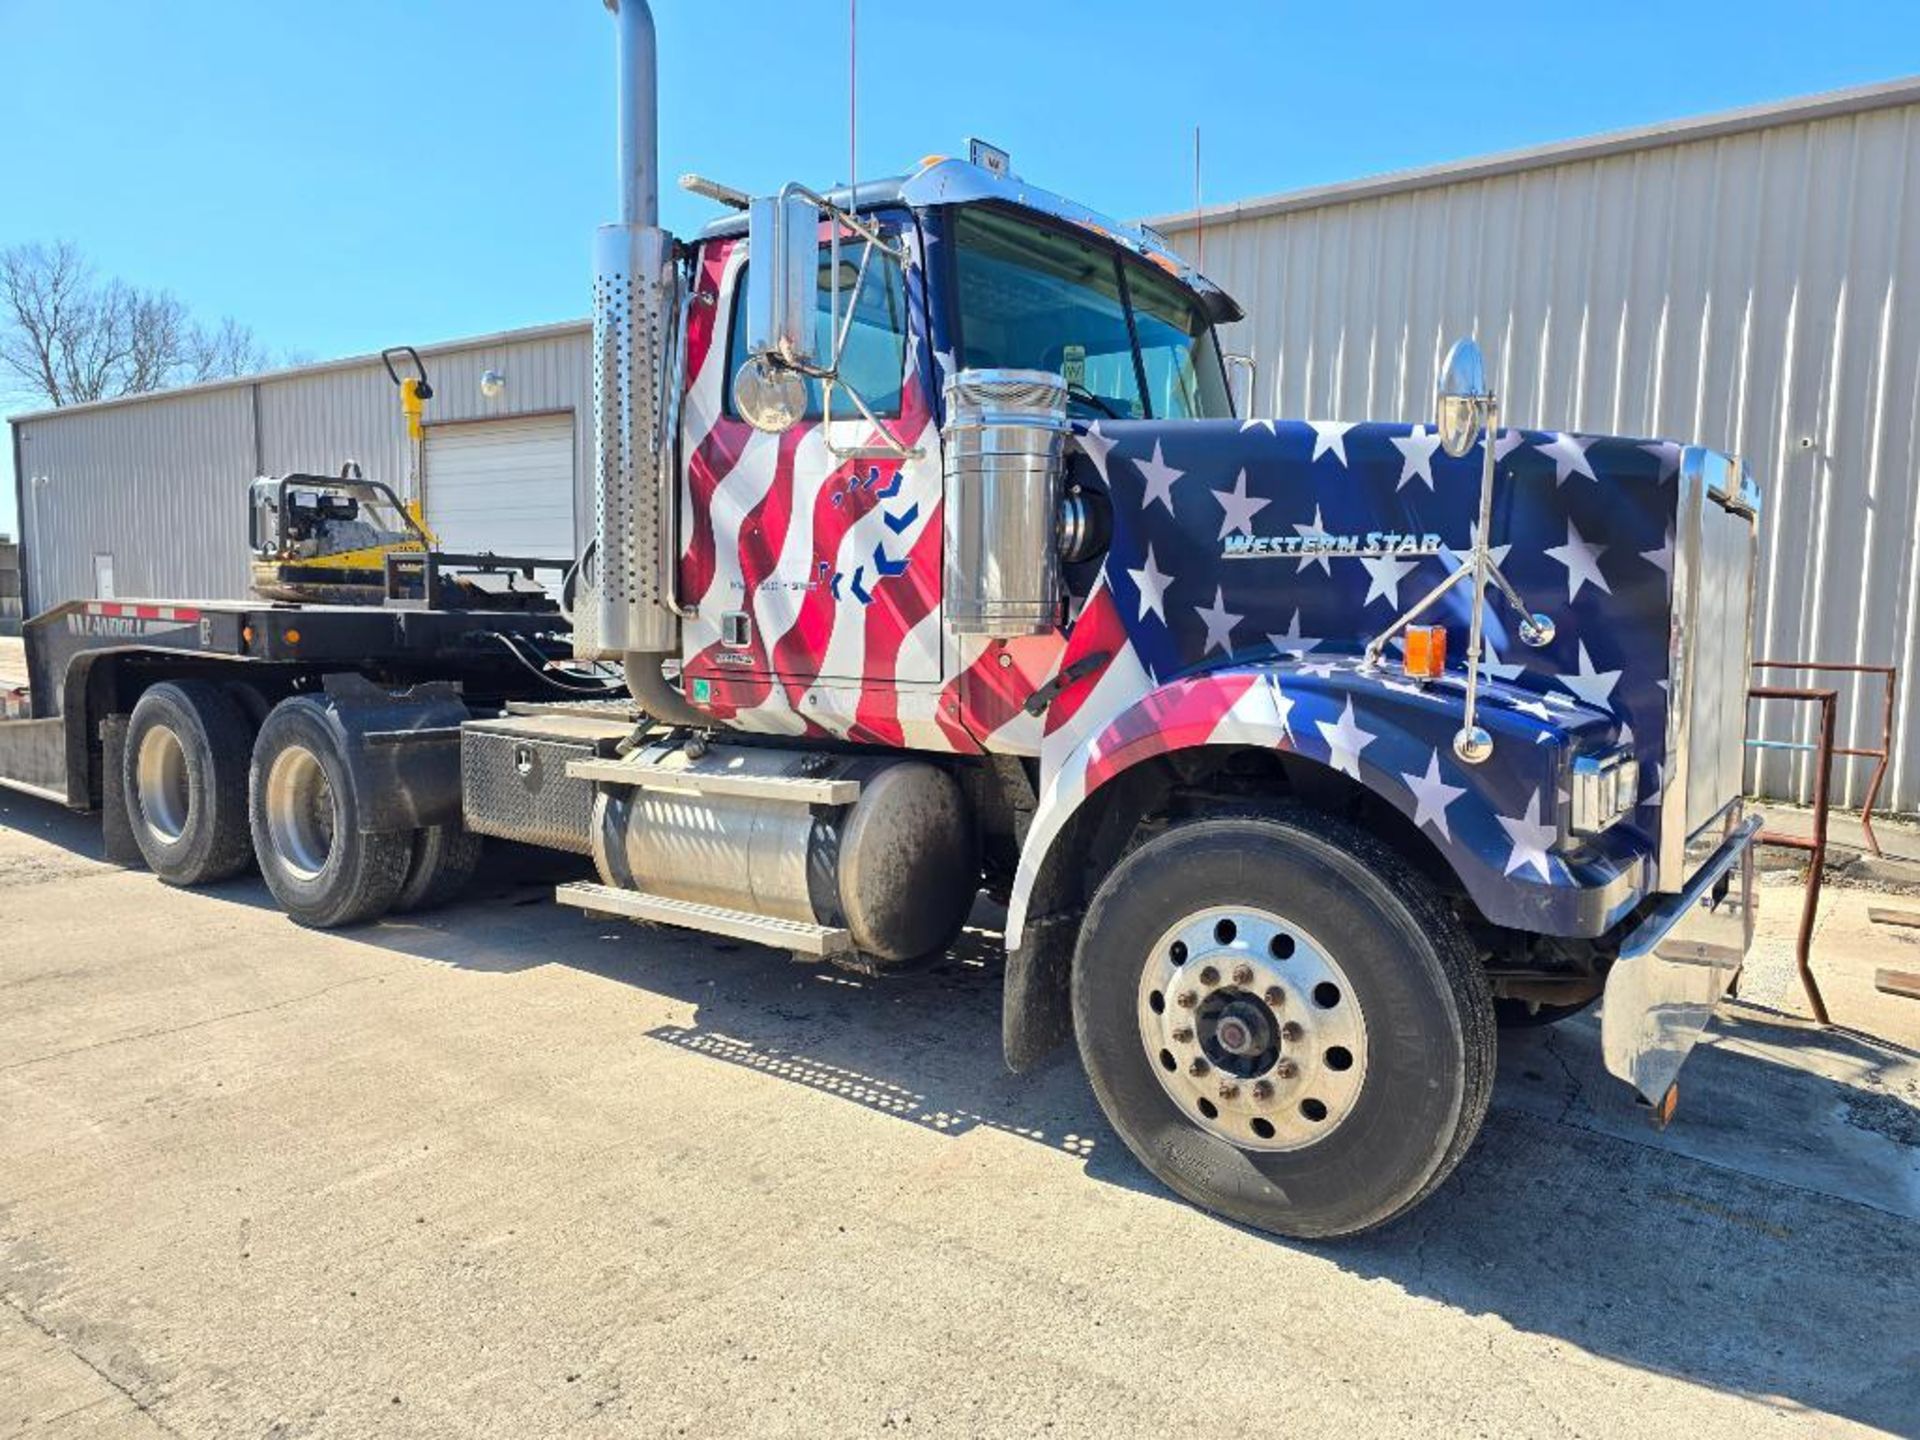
point(799, 789)
point(798, 935)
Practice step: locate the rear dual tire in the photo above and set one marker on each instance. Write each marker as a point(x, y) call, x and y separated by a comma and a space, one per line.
point(184, 779)
point(1283, 1022)
point(324, 871)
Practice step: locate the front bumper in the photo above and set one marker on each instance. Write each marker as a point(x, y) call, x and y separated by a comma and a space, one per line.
point(1676, 965)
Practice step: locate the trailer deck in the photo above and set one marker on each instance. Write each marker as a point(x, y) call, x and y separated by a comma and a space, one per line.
point(54, 752)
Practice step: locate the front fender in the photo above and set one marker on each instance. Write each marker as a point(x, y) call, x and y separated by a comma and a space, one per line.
point(1501, 826)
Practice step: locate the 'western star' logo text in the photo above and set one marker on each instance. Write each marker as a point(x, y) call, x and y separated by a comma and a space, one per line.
point(1374, 542)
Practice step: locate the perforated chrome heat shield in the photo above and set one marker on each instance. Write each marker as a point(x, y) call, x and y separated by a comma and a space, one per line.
point(633, 312)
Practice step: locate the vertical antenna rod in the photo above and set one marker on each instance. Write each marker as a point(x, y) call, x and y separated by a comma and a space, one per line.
point(1199, 224)
point(853, 104)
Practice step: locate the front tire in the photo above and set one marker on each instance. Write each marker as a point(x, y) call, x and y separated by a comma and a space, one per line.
point(324, 871)
point(1283, 1022)
point(184, 777)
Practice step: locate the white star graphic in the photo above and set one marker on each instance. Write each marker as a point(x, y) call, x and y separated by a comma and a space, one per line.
point(1267, 425)
point(1293, 642)
point(1569, 455)
point(1593, 686)
point(1582, 561)
point(1530, 838)
point(1663, 557)
point(1496, 553)
point(1534, 708)
point(1345, 741)
point(1320, 670)
point(1159, 477)
point(1384, 574)
point(1329, 438)
point(1282, 705)
point(1153, 588)
point(1239, 508)
point(1097, 447)
point(1494, 665)
point(1416, 452)
point(1220, 622)
point(1505, 443)
point(1313, 532)
point(1668, 454)
point(1432, 795)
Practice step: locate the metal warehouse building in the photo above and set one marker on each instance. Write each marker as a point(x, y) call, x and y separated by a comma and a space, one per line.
point(1748, 280)
point(100, 483)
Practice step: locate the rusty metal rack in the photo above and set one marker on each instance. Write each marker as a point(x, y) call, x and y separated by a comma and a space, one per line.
point(1891, 676)
point(1816, 847)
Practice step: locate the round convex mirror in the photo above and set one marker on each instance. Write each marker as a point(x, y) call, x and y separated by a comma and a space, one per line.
point(769, 397)
point(1464, 400)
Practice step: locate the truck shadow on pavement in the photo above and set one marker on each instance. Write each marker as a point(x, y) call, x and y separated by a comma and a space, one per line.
point(1767, 1244)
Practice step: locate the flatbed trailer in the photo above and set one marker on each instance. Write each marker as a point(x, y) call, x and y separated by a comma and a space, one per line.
point(89, 660)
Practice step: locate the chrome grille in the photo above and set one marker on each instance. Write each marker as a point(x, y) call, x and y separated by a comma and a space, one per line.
point(1709, 656)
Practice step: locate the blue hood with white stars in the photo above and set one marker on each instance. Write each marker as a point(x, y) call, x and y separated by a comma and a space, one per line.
point(1236, 543)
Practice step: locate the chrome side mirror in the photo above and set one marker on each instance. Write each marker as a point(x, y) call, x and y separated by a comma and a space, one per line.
point(1465, 404)
point(769, 397)
point(783, 276)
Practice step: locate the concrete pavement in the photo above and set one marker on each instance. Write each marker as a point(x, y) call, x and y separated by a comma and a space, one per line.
point(511, 1170)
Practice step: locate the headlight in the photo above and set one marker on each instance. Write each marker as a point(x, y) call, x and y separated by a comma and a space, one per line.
point(1605, 788)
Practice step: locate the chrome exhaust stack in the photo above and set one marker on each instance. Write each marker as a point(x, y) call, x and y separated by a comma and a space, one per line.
point(634, 617)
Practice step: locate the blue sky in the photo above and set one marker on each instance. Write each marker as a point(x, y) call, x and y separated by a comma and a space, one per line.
point(356, 174)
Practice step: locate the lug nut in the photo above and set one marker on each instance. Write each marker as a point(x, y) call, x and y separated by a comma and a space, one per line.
point(1186, 999)
point(1275, 996)
point(1209, 976)
point(1184, 1035)
point(1292, 1031)
point(1199, 1067)
point(1263, 1089)
point(1285, 1069)
point(1243, 974)
point(1229, 1090)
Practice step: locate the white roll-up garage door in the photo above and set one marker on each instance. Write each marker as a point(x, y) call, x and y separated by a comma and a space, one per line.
point(503, 487)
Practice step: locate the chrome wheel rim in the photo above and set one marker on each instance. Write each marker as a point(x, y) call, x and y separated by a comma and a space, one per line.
point(160, 778)
point(301, 811)
point(1252, 1028)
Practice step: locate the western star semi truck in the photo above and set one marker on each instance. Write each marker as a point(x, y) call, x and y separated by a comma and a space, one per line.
point(936, 559)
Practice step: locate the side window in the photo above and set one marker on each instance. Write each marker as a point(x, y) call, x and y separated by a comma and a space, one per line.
point(875, 360)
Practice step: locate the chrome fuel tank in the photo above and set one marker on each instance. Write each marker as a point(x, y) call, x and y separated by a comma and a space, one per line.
point(882, 847)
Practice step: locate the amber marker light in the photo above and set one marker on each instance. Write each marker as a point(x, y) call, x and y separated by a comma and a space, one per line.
point(1426, 652)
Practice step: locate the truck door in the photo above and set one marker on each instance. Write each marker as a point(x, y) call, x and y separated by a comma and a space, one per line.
point(816, 577)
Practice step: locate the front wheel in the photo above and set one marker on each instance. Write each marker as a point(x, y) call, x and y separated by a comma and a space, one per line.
point(1283, 1022)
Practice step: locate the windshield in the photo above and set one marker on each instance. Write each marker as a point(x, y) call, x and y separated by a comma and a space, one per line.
point(1131, 342)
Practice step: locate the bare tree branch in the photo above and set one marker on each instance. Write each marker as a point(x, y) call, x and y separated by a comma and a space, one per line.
point(69, 337)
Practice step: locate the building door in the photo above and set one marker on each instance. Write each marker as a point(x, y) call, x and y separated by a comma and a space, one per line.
point(502, 487)
point(102, 576)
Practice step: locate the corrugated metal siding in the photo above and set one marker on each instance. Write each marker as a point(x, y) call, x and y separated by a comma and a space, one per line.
point(161, 483)
point(1757, 292)
point(160, 487)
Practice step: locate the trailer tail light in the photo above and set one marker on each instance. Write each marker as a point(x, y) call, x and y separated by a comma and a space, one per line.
point(1425, 656)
